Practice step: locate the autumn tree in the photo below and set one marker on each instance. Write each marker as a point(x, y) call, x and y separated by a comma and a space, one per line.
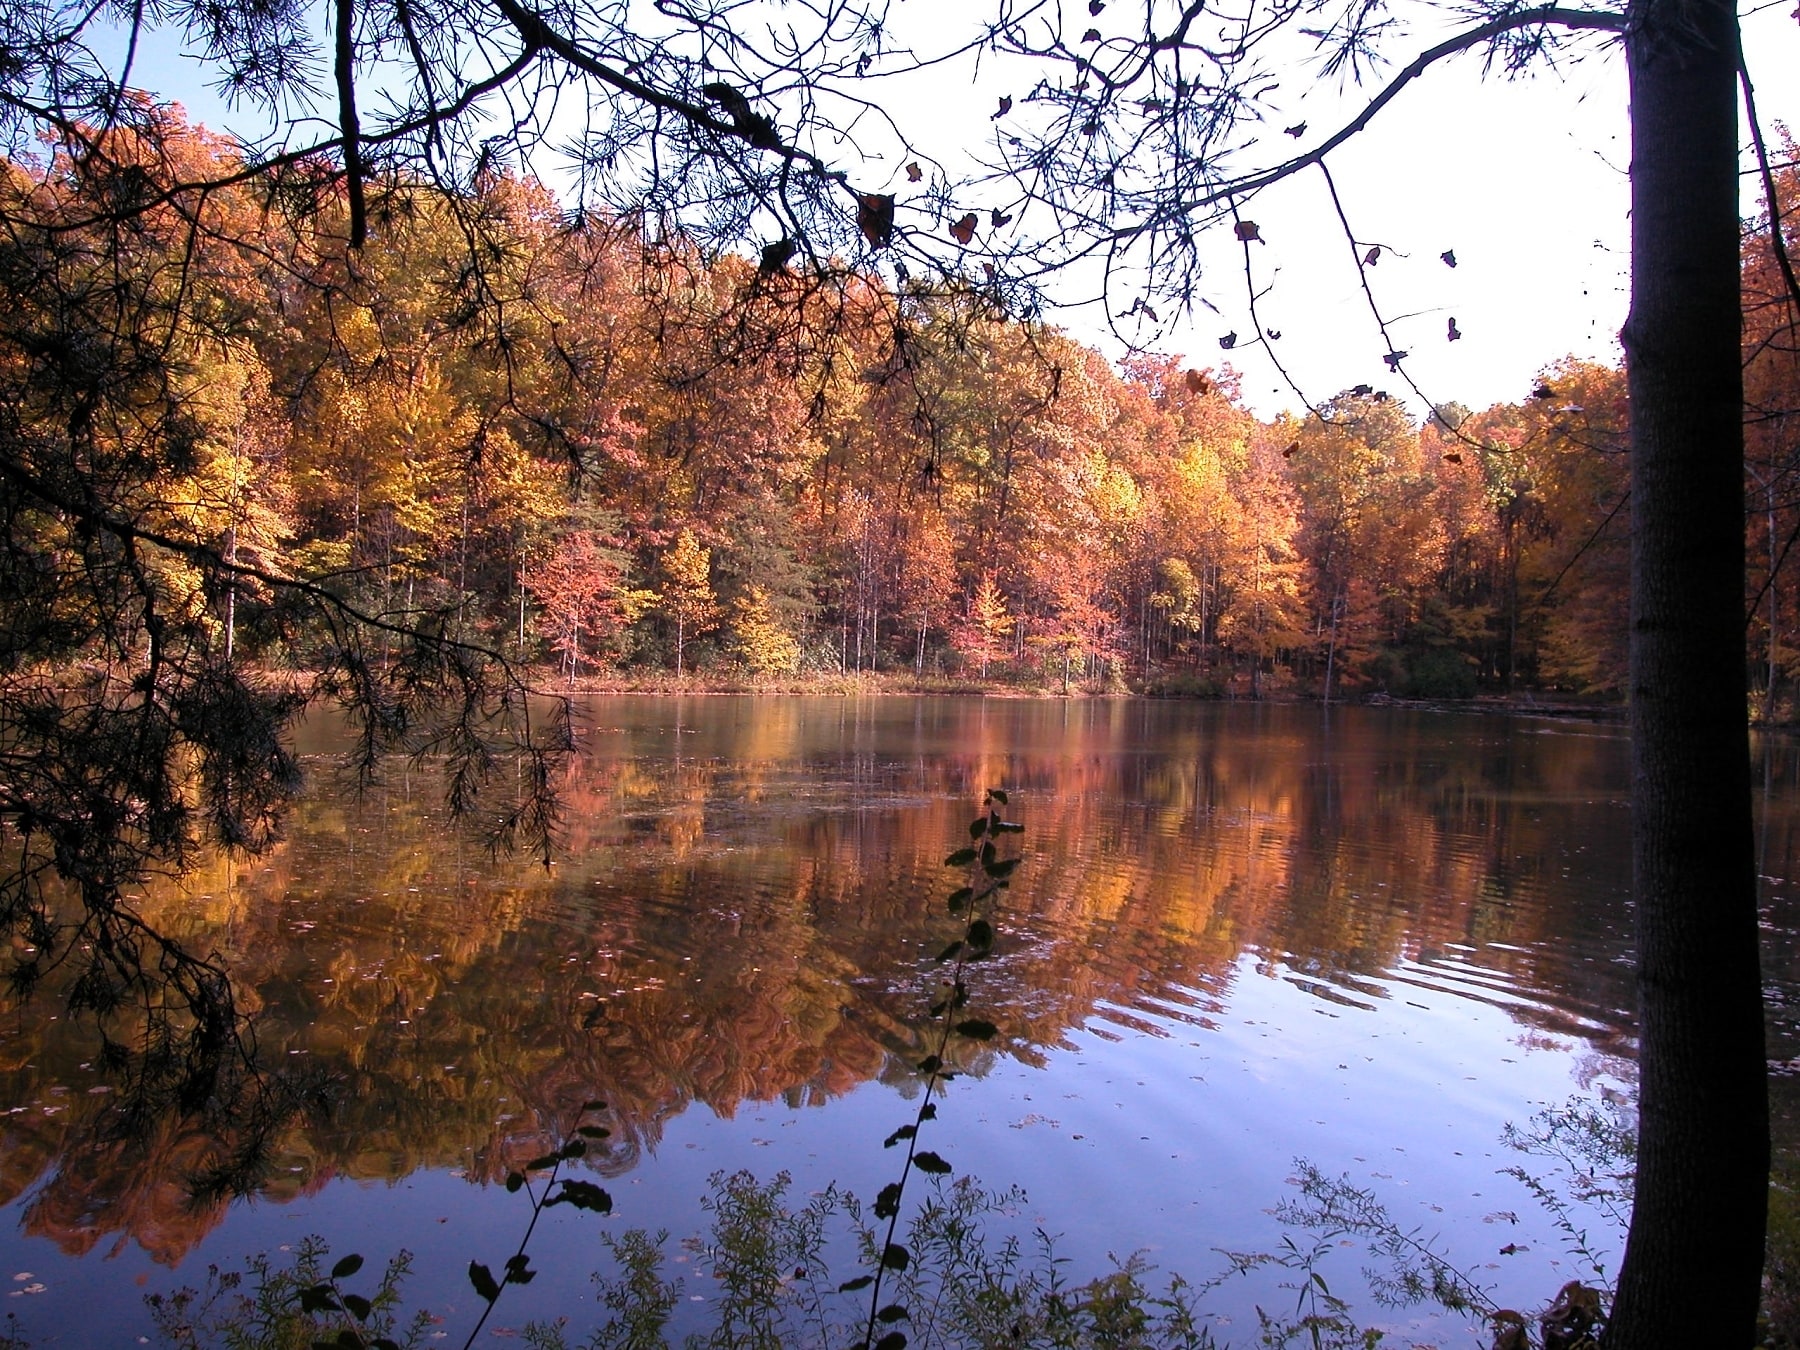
point(981, 633)
point(686, 594)
point(581, 581)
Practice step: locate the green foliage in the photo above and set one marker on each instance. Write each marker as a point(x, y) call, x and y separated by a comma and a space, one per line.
point(1592, 1149)
point(289, 1307)
point(958, 1286)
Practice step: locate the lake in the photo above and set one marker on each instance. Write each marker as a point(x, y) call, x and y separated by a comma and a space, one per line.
point(1240, 935)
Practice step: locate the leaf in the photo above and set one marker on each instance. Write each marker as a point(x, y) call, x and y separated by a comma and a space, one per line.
point(963, 231)
point(776, 256)
point(887, 1204)
point(1095, 7)
point(1373, 256)
point(1543, 391)
point(1229, 340)
point(875, 218)
point(913, 172)
point(1452, 457)
point(1449, 257)
point(483, 1280)
point(347, 1267)
point(1455, 333)
point(976, 1029)
point(895, 1257)
point(1297, 130)
point(540, 1164)
point(860, 1282)
point(358, 1306)
point(998, 794)
point(1247, 232)
point(1196, 382)
point(928, 1111)
point(978, 827)
point(1004, 108)
point(1394, 359)
point(517, 1263)
point(892, 1313)
point(583, 1195)
point(959, 898)
point(997, 218)
point(1274, 334)
point(931, 1164)
point(594, 1132)
point(319, 1298)
point(1009, 827)
point(1005, 867)
point(894, 1340)
point(587, 1107)
point(1289, 452)
point(1092, 35)
point(930, 1064)
point(981, 935)
point(961, 858)
point(903, 1133)
point(953, 950)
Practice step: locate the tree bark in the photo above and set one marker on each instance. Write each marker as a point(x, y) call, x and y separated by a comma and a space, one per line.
point(1693, 1259)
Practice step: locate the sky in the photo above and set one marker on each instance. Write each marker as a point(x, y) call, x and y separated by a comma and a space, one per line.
point(1524, 180)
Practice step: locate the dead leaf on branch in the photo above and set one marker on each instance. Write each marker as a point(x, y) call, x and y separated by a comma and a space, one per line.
point(1247, 232)
point(913, 172)
point(963, 231)
point(1005, 108)
point(1229, 340)
point(875, 218)
point(1455, 333)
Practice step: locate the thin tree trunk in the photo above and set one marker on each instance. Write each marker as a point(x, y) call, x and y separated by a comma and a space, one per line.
point(1693, 1259)
point(231, 597)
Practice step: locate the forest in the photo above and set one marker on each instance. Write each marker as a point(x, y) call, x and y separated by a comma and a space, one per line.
point(591, 447)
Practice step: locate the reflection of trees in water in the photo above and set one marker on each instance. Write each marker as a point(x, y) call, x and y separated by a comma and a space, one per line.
point(752, 918)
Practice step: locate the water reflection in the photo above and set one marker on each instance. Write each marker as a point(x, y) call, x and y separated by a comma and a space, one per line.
point(748, 896)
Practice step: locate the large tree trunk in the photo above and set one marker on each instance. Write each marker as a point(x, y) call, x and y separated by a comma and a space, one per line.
point(1694, 1256)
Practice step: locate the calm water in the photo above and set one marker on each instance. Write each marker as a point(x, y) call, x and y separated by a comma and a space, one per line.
point(1241, 935)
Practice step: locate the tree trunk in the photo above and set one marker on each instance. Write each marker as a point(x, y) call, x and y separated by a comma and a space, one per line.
point(1693, 1259)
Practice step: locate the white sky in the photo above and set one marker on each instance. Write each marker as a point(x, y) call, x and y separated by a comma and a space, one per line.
point(1524, 179)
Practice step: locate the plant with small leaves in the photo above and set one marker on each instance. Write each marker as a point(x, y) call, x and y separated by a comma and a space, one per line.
point(543, 1191)
point(988, 875)
point(303, 1305)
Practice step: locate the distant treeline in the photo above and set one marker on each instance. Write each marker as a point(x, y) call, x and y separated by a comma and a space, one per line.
point(589, 448)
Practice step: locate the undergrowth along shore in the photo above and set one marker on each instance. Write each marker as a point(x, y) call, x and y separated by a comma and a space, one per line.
point(973, 1281)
